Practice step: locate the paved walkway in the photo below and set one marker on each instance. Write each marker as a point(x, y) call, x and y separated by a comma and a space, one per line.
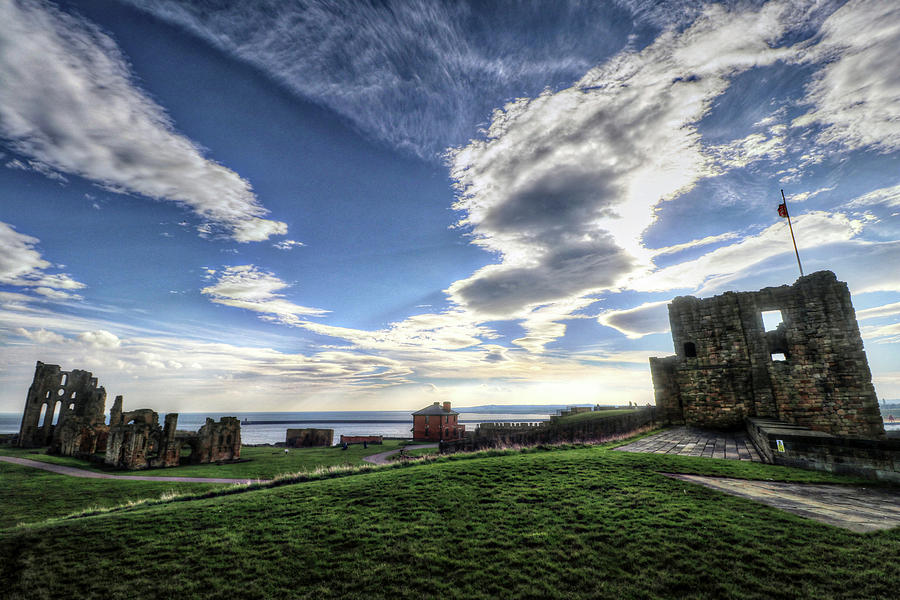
point(689, 441)
point(855, 508)
point(74, 472)
point(382, 457)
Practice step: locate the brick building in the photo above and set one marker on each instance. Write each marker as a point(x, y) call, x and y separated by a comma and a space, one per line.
point(809, 370)
point(436, 422)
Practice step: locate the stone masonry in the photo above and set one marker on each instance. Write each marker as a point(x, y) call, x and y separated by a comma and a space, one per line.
point(132, 440)
point(811, 370)
point(64, 408)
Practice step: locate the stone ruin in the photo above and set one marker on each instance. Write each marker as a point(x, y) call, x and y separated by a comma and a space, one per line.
point(132, 440)
point(308, 438)
point(810, 371)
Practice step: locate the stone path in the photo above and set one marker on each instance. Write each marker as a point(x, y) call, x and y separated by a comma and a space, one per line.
point(855, 508)
point(74, 472)
point(689, 441)
point(382, 457)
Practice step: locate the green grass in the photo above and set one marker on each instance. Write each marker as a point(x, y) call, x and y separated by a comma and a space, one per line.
point(261, 462)
point(578, 523)
point(592, 416)
point(416, 453)
point(28, 495)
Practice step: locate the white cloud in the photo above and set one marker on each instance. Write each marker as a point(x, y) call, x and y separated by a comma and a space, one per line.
point(69, 102)
point(856, 92)
point(885, 310)
point(41, 336)
point(22, 265)
point(100, 339)
point(566, 183)
point(887, 196)
point(650, 317)
point(247, 287)
point(715, 269)
point(419, 75)
point(711, 239)
point(287, 244)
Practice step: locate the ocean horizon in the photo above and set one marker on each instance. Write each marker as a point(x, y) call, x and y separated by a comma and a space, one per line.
point(387, 423)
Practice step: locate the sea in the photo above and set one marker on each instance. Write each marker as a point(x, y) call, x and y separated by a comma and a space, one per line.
point(271, 427)
point(260, 428)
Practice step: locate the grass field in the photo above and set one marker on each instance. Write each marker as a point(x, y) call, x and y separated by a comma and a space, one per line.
point(262, 462)
point(592, 416)
point(28, 495)
point(574, 523)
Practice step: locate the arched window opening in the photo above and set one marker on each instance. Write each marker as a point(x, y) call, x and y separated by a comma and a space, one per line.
point(56, 412)
point(690, 350)
point(65, 379)
point(42, 419)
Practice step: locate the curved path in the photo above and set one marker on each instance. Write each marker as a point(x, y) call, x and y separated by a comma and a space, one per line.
point(72, 471)
point(382, 457)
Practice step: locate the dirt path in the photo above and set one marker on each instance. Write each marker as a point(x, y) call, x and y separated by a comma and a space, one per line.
point(382, 457)
point(73, 472)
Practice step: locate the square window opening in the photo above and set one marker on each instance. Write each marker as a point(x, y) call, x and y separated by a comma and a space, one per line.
point(771, 319)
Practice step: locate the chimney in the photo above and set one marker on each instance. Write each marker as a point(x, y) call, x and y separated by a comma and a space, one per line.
point(447, 406)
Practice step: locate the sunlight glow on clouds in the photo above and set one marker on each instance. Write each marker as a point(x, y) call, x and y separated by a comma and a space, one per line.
point(565, 183)
point(69, 102)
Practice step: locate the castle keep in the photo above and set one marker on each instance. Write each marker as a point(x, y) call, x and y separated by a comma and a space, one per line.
point(810, 370)
point(65, 411)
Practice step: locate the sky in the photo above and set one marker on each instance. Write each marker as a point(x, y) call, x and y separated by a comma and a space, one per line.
point(342, 205)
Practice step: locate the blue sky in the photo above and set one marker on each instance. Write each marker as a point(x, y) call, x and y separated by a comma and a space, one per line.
point(345, 205)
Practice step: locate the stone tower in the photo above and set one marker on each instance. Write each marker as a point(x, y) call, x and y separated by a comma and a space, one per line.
point(810, 370)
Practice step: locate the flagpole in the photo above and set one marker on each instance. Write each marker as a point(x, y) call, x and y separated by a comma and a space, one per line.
point(793, 239)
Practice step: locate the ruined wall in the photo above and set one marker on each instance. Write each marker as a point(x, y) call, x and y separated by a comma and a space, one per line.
point(58, 396)
point(727, 366)
point(218, 441)
point(132, 440)
point(306, 438)
point(138, 441)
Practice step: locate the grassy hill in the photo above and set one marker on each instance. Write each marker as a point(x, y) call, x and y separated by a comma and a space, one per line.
point(575, 523)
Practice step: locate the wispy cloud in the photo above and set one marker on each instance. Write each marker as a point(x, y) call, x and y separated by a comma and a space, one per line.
point(288, 244)
point(855, 93)
point(418, 75)
point(650, 317)
point(247, 287)
point(21, 265)
point(69, 102)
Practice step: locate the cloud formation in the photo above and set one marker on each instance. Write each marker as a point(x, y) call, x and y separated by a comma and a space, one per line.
point(21, 265)
point(855, 94)
point(69, 103)
point(416, 74)
point(565, 183)
point(247, 287)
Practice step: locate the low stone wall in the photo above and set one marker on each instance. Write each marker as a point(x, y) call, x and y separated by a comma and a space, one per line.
point(308, 438)
point(552, 432)
point(359, 439)
point(795, 446)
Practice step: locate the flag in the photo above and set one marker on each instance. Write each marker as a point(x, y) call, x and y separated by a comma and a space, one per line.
point(782, 210)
